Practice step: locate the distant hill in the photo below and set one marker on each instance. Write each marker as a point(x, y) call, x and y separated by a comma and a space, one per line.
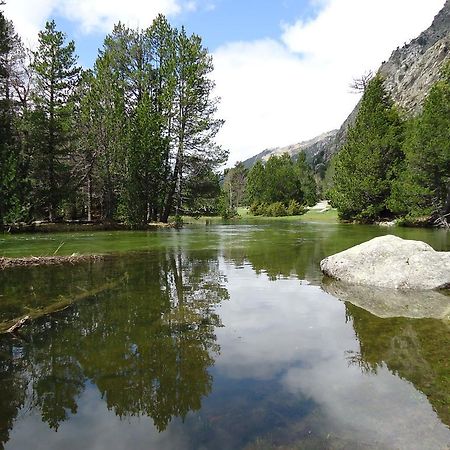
point(312, 148)
point(409, 74)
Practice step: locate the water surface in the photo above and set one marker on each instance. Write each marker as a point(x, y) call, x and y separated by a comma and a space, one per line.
point(214, 337)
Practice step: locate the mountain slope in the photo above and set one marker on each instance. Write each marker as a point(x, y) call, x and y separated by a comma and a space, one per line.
point(312, 148)
point(409, 74)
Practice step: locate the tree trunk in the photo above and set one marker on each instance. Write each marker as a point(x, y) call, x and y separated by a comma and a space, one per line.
point(89, 199)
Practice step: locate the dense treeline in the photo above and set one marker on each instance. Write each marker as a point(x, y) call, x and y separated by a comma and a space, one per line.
point(130, 140)
point(394, 167)
point(279, 187)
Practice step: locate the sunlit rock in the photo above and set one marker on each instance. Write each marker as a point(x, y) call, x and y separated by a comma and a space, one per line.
point(391, 262)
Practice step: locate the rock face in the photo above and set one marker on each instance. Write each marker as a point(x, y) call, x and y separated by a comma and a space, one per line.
point(391, 262)
point(409, 74)
point(312, 148)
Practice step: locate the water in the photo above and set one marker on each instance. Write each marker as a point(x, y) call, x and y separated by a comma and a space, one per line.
point(215, 337)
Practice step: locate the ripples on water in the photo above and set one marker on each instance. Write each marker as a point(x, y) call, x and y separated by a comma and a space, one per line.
point(220, 338)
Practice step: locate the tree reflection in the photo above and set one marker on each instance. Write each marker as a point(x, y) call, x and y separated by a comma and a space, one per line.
point(416, 350)
point(147, 343)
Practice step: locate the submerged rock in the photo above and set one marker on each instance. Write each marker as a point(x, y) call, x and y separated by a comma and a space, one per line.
point(386, 303)
point(390, 262)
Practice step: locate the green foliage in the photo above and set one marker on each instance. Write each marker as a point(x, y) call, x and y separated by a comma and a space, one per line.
point(234, 184)
point(367, 164)
point(258, 209)
point(255, 183)
point(225, 210)
point(295, 209)
point(133, 139)
point(282, 180)
point(149, 103)
point(52, 120)
point(178, 222)
point(276, 209)
point(423, 187)
point(306, 180)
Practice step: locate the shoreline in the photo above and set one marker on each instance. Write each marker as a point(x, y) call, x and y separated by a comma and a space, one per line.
point(61, 227)
point(30, 261)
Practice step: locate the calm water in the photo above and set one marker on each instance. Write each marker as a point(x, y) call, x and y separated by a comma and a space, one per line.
point(216, 337)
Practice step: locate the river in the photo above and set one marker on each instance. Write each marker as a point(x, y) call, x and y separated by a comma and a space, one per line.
point(214, 337)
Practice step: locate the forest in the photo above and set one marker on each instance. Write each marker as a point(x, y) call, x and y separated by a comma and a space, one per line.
point(130, 140)
point(391, 167)
point(394, 166)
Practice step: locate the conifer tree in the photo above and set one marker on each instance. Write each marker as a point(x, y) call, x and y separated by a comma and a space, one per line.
point(423, 188)
point(56, 78)
point(307, 183)
point(255, 183)
point(7, 162)
point(367, 164)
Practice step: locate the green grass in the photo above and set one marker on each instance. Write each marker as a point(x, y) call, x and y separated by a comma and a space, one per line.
point(329, 216)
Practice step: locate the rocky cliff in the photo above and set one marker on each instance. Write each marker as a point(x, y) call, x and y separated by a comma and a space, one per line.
point(409, 73)
point(313, 149)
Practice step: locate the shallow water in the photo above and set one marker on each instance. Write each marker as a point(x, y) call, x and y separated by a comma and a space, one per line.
point(214, 337)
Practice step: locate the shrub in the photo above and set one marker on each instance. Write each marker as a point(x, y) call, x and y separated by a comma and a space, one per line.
point(295, 209)
point(276, 209)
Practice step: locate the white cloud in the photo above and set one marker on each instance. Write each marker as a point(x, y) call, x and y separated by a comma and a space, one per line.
point(91, 15)
point(29, 20)
point(278, 92)
point(274, 92)
point(101, 15)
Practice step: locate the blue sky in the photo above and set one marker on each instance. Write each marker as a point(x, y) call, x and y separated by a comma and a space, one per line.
point(282, 68)
point(216, 22)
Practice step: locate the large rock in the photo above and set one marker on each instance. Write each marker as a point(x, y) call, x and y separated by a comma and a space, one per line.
point(390, 262)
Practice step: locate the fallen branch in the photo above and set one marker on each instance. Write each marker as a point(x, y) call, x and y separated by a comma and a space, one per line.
point(19, 324)
point(60, 305)
point(6, 263)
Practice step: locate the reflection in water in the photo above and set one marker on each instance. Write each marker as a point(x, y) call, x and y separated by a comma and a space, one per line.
point(386, 303)
point(147, 345)
point(415, 350)
point(297, 368)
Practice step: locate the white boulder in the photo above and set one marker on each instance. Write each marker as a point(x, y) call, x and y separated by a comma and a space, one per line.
point(391, 262)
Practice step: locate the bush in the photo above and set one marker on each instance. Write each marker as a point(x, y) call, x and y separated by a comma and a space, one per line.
point(254, 209)
point(276, 209)
point(259, 209)
point(295, 209)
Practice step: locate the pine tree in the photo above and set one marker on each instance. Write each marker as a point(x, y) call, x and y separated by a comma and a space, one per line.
point(366, 165)
point(255, 183)
point(423, 188)
point(234, 184)
point(7, 162)
point(56, 78)
point(193, 122)
point(13, 92)
point(306, 181)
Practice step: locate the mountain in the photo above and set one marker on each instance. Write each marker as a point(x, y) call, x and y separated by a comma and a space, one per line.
point(312, 148)
point(409, 74)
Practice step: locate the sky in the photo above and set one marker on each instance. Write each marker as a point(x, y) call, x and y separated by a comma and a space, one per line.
point(282, 67)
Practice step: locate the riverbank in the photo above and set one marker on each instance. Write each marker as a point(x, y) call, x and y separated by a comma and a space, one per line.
point(312, 215)
point(62, 227)
point(6, 263)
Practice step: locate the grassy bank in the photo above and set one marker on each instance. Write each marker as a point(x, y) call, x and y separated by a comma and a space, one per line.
point(329, 216)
